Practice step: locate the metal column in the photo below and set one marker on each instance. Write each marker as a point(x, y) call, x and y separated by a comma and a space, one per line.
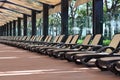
point(98, 17)
point(64, 17)
point(7, 29)
point(25, 24)
point(10, 28)
point(34, 28)
point(19, 26)
point(14, 28)
point(45, 20)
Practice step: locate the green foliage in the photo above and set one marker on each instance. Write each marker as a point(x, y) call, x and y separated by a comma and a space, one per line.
point(79, 41)
point(106, 42)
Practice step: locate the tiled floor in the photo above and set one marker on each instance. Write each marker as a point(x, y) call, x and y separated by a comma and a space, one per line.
point(17, 64)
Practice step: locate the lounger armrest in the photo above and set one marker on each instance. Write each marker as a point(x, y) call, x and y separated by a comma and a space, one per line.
point(105, 48)
point(51, 43)
point(39, 43)
point(84, 47)
point(60, 44)
point(95, 47)
point(115, 51)
point(70, 44)
point(55, 43)
point(115, 54)
point(35, 42)
point(92, 45)
point(76, 46)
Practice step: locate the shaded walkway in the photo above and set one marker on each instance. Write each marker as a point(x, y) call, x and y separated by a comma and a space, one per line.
point(17, 64)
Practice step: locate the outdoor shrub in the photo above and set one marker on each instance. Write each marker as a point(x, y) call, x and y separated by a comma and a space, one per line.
point(79, 41)
point(106, 42)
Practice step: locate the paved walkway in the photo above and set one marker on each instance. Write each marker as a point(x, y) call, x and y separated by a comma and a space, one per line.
point(17, 64)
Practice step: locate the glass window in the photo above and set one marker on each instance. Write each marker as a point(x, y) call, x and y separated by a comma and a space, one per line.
point(111, 18)
point(29, 27)
point(22, 31)
point(80, 19)
point(39, 26)
point(55, 24)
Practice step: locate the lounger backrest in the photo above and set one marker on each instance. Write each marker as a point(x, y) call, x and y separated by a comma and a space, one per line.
point(114, 42)
point(11, 38)
point(28, 38)
point(46, 38)
point(14, 37)
point(96, 39)
point(32, 38)
point(24, 38)
point(17, 38)
point(20, 38)
point(86, 40)
point(55, 39)
point(60, 38)
point(38, 38)
point(49, 39)
point(74, 40)
point(69, 39)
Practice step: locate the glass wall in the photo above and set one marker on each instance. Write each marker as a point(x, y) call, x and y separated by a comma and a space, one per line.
point(16, 28)
point(55, 24)
point(111, 18)
point(39, 25)
point(22, 32)
point(29, 27)
point(80, 19)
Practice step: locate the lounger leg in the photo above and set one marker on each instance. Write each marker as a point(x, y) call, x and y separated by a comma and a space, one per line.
point(61, 55)
point(112, 68)
point(100, 67)
point(77, 61)
point(85, 61)
point(70, 58)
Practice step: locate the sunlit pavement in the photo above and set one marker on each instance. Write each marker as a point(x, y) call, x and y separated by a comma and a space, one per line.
point(17, 64)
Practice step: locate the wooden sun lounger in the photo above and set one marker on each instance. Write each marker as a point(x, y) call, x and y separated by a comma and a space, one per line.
point(69, 55)
point(86, 57)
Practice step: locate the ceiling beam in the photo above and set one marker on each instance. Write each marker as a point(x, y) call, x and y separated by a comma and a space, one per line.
point(38, 11)
point(10, 13)
point(14, 11)
point(50, 5)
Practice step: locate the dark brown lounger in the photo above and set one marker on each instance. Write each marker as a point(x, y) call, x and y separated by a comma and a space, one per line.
point(94, 43)
point(86, 57)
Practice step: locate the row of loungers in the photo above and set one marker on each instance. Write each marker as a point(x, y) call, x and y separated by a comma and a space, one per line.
point(89, 53)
